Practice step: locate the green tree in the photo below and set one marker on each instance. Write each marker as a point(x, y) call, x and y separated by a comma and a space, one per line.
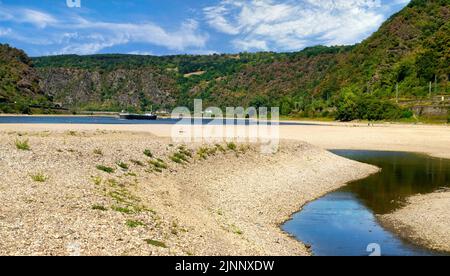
point(347, 107)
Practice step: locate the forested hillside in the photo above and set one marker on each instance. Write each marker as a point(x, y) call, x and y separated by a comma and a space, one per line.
point(19, 84)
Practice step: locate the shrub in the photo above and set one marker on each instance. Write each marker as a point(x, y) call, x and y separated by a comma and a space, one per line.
point(351, 107)
point(98, 152)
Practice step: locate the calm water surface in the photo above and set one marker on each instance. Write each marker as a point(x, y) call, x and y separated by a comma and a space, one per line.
point(110, 120)
point(344, 222)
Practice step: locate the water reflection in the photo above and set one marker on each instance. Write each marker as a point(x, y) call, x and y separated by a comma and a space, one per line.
point(344, 222)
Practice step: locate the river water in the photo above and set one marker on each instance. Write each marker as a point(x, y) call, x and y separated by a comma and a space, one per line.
point(343, 223)
point(112, 120)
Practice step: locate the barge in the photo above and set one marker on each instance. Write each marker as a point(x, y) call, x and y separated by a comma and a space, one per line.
point(128, 116)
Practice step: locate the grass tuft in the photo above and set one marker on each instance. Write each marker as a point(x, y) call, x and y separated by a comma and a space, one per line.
point(148, 153)
point(22, 145)
point(123, 165)
point(99, 208)
point(105, 169)
point(122, 210)
point(232, 146)
point(180, 157)
point(203, 152)
point(97, 180)
point(98, 152)
point(156, 243)
point(39, 177)
point(158, 164)
point(137, 163)
point(134, 223)
point(176, 160)
point(220, 148)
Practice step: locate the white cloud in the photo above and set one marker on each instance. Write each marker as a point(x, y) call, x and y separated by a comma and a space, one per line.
point(141, 53)
point(252, 44)
point(21, 15)
point(216, 17)
point(38, 18)
point(94, 36)
point(295, 24)
point(79, 35)
point(5, 31)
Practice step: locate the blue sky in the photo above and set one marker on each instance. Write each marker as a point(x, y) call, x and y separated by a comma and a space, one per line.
point(49, 27)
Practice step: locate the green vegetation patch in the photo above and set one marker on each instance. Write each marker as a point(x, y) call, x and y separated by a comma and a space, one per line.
point(148, 153)
point(39, 177)
point(124, 210)
point(137, 163)
point(97, 180)
point(105, 169)
point(22, 145)
point(232, 146)
point(123, 165)
point(99, 207)
point(134, 223)
point(156, 243)
point(220, 148)
point(158, 164)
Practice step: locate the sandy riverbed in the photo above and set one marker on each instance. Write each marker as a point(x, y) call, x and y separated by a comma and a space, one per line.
point(425, 220)
point(230, 203)
point(429, 139)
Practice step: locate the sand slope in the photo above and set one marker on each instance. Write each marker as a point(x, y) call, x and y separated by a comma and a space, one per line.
point(426, 220)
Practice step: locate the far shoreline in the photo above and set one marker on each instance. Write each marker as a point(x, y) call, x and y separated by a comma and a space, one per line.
point(318, 121)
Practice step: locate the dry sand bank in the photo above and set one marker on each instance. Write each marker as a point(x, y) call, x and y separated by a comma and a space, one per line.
point(425, 220)
point(230, 203)
point(432, 140)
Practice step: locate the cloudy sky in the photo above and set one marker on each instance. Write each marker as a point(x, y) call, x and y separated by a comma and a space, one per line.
point(160, 27)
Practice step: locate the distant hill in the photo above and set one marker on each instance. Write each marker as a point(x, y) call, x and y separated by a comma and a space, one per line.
point(409, 51)
point(19, 83)
point(120, 81)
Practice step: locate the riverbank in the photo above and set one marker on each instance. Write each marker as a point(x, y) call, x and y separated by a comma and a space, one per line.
point(425, 220)
point(428, 139)
point(97, 193)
